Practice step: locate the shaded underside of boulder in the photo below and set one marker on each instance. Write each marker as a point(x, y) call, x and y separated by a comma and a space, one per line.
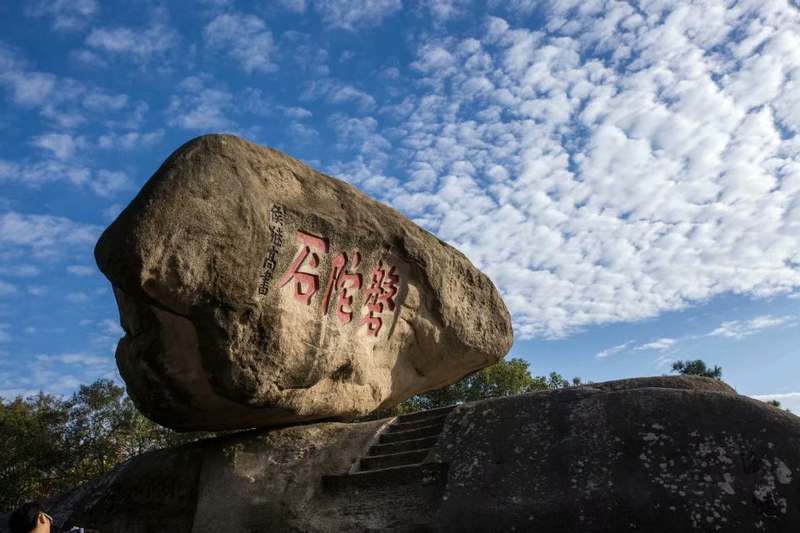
point(254, 290)
point(599, 458)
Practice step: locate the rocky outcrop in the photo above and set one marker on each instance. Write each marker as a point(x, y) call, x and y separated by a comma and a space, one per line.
point(656, 455)
point(254, 291)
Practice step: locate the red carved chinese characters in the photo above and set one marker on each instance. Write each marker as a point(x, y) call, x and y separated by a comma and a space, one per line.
point(378, 296)
point(305, 284)
point(343, 282)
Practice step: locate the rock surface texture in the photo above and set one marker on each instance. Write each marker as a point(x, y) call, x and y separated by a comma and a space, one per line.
point(661, 455)
point(256, 291)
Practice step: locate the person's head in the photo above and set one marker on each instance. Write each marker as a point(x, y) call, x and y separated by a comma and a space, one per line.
point(30, 517)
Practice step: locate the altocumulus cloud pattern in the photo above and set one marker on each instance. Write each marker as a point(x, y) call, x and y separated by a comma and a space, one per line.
point(602, 161)
point(622, 160)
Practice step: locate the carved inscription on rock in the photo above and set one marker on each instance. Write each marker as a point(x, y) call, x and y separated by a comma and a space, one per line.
point(277, 219)
point(341, 284)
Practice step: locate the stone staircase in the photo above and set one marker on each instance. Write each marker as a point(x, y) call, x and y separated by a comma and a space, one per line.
point(405, 442)
point(392, 479)
point(396, 457)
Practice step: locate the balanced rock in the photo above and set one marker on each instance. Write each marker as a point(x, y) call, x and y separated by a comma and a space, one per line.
point(254, 290)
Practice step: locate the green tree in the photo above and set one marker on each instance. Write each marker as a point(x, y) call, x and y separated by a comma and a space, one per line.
point(505, 378)
point(49, 445)
point(552, 382)
point(33, 457)
point(697, 368)
point(776, 403)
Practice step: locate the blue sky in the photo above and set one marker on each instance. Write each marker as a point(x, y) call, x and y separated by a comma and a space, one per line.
point(628, 174)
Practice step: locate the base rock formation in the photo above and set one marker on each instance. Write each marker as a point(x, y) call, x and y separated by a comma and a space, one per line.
point(254, 291)
point(660, 455)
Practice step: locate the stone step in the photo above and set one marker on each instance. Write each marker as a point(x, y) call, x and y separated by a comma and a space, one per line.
point(419, 415)
point(404, 446)
point(376, 462)
point(412, 434)
point(414, 424)
point(389, 479)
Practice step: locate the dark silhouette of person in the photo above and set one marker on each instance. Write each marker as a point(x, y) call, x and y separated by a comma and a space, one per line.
point(30, 518)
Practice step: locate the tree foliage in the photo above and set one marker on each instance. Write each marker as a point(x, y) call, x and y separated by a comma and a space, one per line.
point(697, 368)
point(49, 444)
point(776, 403)
point(505, 378)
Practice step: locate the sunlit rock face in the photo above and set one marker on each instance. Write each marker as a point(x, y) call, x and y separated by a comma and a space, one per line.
point(254, 290)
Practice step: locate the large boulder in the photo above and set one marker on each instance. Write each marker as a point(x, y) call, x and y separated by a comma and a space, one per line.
point(661, 455)
point(254, 290)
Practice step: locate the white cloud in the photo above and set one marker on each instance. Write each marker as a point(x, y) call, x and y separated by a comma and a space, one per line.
point(62, 102)
point(296, 6)
point(65, 14)
point(526, 7)
point(43, 172)
point(77, 358)
point(102, 182)
point(665, 360)
point(198, 107)
point(443, 10)
point(788, 400)
point(62, 145)
point(360, 133)
point(87, 57)
point(107, 183)
point(111, 328)
point(391, 73)
point(305, 53)
point(302, 133)
point(81, 270)
point(738, 329)
point(612, 165)
point(245, 38)
point(111, 212)
point(20, 271)
point(100, 101)
point(608, 352)
point(661, 344)
point(28, 88)
point(297, 113)
point(354, 14)
point(139, 45)
point(6, 288)
point(59, 374)
point(77, 297)
point(45, 235)
point(107, 335)
point(336, 92)
point(129, 140)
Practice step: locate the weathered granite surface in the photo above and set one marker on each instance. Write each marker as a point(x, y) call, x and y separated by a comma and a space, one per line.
point(685, 455)
point(254, 291)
